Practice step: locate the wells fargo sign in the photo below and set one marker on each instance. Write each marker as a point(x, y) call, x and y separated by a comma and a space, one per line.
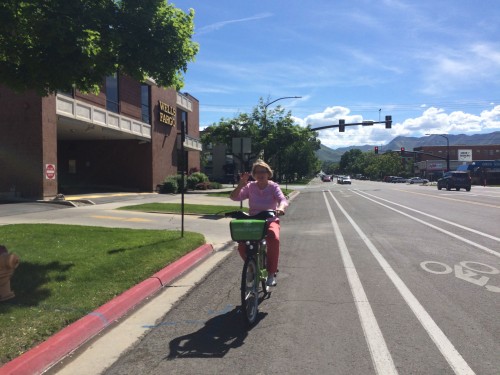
point(167, 113)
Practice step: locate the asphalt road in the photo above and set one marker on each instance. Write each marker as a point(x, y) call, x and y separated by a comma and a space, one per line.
point(374, 278)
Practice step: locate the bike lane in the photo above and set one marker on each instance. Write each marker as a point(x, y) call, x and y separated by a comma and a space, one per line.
point(307, 325)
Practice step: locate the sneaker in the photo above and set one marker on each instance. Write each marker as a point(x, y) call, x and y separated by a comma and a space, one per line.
point(271, 280)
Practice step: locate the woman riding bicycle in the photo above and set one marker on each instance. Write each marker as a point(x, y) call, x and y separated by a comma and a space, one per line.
point(263, 194)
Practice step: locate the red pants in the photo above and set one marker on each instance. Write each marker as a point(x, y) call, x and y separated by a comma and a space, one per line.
point(273, 247)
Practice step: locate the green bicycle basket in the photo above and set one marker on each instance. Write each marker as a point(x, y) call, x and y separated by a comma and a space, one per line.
point(247, 230)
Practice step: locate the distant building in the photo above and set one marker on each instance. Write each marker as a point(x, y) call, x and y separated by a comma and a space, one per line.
point(128, 137)
point(482, 161)
point(219, 165)
point(223, 164)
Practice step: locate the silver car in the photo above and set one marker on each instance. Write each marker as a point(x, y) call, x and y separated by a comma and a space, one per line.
point(417, 180)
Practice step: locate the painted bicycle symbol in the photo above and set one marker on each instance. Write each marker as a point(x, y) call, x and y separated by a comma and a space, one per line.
point(472, 272)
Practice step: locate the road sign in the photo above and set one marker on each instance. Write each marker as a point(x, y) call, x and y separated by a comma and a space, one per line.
point(464, 155)
point(50, 171)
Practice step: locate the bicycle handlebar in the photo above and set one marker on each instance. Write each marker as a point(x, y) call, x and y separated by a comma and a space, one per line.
point(260, 216)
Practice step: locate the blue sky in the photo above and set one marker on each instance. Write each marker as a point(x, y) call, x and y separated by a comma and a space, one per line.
point(434, 65)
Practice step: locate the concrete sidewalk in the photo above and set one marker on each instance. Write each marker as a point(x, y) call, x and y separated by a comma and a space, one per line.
point(195, 265)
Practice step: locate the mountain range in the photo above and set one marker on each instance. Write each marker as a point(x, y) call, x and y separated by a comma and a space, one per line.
point(334, 155)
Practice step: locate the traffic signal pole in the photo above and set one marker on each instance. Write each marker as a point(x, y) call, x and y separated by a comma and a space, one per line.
point(341, 125)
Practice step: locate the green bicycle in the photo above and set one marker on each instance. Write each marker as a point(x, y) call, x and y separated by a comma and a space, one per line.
point(252, 230)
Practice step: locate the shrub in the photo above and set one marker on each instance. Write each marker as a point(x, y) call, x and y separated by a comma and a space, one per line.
point(215, 185)
point(192, 182)
point(169, 186)
point(196, 181)
point(203, 186)
point(196, 178)
point(207, 185)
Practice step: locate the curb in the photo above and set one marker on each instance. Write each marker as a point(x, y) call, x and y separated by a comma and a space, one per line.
point(55, 348)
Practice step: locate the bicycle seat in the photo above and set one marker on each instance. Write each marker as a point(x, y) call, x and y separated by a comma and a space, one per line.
point(263, 215)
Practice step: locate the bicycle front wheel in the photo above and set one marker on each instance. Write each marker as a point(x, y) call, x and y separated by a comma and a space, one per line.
point(263, 271)
point(249, 290)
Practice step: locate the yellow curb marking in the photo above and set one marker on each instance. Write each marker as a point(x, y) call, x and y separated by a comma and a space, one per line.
point(73, 197)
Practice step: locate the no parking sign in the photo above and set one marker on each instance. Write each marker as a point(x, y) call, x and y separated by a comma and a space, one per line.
point(50, 171)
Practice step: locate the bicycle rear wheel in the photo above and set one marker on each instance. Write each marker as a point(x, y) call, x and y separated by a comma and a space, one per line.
point(249, 290)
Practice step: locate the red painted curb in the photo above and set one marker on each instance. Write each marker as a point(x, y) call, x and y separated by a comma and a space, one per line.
point(119, 305)
point(55, 348)
point(177, 268)
point(47, 354)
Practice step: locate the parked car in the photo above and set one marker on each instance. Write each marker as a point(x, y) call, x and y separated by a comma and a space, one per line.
point(417, 180)
point(455, 180)
point(398, 180)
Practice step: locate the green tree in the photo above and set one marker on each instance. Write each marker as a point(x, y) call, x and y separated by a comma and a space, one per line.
point(330, 167)
point(242, 126)
point(297, 158)
point(59, 44)
point(388, 164)
point(287, 147)
point(374, 166)
point(348, 161)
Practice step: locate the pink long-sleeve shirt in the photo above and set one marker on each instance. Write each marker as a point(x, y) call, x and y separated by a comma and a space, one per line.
point(269, 198)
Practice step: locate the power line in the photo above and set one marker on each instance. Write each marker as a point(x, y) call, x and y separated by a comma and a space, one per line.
point(375, 107)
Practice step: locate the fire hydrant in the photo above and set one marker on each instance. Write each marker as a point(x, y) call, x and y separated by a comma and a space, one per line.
point(8, 263)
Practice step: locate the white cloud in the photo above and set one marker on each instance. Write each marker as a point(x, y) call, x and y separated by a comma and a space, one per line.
point(447, 70)
point(436, 120)
point(331, 116)
point(491, 118)
point(219, 25)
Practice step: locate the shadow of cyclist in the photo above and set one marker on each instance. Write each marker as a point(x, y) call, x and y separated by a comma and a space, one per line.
point(219, 334)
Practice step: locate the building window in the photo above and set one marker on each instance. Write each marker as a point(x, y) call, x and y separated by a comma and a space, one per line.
point(112, 97)
point(184, 120)
point(146, 103)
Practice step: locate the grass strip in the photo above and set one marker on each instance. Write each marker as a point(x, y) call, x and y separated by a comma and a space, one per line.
point(175, 208)
point(67, 271)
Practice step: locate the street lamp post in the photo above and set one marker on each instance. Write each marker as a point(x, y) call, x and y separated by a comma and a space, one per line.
point(264, 125)
point(447, 150)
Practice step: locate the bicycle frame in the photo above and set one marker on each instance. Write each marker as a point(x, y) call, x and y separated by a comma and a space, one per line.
point(258, 251)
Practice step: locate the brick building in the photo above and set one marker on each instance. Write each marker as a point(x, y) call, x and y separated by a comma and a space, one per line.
point(128, 137)
point(482, 161)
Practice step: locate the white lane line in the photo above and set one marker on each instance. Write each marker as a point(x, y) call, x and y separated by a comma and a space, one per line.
point(432, 216)
point(381, 357)
point(452, 356)
point(463, 239)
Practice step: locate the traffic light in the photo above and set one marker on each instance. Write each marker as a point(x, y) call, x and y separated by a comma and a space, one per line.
point(376, 150)
point(341, 125)
point(388, 122)
point(402, 151)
